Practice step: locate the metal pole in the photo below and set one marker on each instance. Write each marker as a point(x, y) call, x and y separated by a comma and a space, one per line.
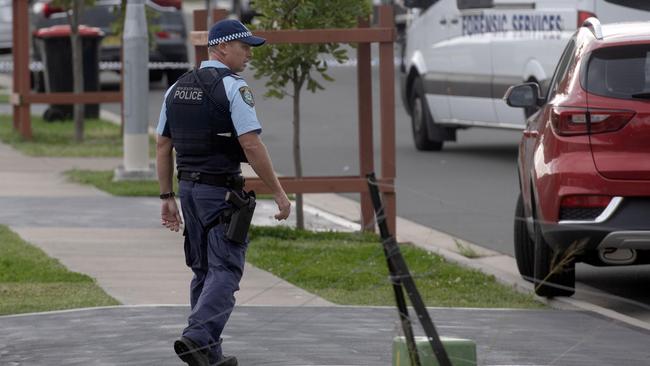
point(136, 94)
point(366, 151)
point(387, 114)
point(208, 8)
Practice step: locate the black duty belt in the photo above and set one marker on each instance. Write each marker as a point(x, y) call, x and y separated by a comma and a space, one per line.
point(219, 180)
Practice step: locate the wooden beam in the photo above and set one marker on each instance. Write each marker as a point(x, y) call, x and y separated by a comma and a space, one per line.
point(353, 35)
point(72, 98)
point(320, 185)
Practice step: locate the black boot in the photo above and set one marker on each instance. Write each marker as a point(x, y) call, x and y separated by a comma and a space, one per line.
point(192, 354)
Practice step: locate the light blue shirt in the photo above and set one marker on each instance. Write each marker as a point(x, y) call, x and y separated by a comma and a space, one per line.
point(244, 117)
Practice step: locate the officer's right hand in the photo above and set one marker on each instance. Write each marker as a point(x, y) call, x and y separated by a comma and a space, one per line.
point(284, 206)
point(170, 216)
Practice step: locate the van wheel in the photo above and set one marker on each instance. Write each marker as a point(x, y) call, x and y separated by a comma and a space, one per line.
point(524, 245)
point(420, 120)
point(550, 280)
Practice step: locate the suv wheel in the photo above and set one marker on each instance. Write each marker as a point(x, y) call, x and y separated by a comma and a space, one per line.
point(550, 279)
point(524, 245)
point(420, 119)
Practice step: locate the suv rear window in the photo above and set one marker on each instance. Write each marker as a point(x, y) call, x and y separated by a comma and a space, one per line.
point(618, 72)
point(636, 4)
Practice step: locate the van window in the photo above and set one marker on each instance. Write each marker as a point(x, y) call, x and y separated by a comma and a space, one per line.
point(636, 4)
point(562, 67)
point(618, 72)
point(474, 4)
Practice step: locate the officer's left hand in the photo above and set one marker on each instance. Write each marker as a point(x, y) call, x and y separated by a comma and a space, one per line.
point(170, 216)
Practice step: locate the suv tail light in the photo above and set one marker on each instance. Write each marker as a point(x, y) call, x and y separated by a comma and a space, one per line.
point(583, 207)
point(175, 3)
point(584, 15)
point(570, 121)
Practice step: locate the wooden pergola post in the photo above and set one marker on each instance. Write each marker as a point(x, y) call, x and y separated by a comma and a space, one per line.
point(22, 97)
point(384, 34)
point(20, 27)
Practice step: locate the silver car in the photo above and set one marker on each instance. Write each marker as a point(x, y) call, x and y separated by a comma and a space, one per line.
point(6, 32)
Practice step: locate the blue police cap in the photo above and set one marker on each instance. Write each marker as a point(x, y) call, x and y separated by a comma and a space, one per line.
point(232, 30)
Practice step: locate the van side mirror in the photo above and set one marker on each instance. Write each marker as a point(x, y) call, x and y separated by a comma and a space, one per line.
point(419, 4)
point(523, 96)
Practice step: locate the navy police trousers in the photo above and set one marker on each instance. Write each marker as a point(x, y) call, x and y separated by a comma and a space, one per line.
point(217, 264)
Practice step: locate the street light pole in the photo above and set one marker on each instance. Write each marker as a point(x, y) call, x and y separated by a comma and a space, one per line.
point(135, 68)
point(208, 7)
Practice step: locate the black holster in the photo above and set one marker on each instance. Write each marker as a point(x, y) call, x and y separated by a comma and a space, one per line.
point(242, 215)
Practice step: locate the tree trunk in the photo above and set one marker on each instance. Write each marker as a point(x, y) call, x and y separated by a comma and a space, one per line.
point(297, 161)
point(77, 66)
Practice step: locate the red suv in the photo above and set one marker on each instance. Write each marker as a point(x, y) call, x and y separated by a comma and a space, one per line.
point(584, 159)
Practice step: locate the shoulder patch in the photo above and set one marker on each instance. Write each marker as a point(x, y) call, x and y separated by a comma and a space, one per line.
point(247, 95)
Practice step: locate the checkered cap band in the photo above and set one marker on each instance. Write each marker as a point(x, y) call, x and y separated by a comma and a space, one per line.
point(228, 38)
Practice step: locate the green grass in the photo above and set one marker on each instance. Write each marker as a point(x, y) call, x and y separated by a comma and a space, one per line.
point(351, 269)
point(104, 180)
point(31, 281)
point(101, 138)
point(4, 95)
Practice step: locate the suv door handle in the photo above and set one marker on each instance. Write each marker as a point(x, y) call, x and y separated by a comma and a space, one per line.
point(529, 133)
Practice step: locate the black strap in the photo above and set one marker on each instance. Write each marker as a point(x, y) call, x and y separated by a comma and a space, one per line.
point(219, 77)
point(399, 270)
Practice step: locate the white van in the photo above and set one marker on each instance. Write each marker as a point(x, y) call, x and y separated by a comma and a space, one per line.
point(460, 57)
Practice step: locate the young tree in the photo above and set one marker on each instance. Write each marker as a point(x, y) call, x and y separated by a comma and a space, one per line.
point(74, 9)
point(291, 67)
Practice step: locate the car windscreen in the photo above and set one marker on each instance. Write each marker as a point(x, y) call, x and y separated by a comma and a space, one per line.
point(635, 4)
point(619, 72)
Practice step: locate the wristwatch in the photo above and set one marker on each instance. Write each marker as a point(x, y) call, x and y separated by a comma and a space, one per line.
point(167, 195)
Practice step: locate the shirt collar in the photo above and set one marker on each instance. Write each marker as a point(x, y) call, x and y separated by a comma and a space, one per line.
point(213, 63)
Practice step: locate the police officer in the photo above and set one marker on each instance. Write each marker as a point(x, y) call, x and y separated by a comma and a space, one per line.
point(208, 116)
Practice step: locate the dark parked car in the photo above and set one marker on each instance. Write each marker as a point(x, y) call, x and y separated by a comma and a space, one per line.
point(584, 159)
point(166, 16)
